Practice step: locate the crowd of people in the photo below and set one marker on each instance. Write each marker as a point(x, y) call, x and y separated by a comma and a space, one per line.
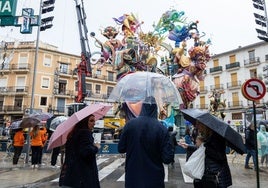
point(148, 144)
point(38, 137)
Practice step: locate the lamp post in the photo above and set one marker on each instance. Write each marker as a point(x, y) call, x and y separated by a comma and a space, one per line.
point(34, 77)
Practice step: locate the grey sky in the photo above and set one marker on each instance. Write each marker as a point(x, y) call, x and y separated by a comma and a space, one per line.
point(229, 23)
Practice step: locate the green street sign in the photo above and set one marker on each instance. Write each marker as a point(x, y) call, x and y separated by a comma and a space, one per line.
point(7, 21)
point(8, 7)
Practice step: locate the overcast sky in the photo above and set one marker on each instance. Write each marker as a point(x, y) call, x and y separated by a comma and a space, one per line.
point(228, 23)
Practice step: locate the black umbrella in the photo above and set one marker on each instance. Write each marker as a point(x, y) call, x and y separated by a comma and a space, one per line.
point(233, 138)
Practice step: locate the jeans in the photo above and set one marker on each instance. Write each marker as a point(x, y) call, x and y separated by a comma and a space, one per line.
point(251, 152)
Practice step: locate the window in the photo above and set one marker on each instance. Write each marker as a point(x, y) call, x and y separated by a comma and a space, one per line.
point(43, 101)
point(110, 76)
point(45, 83)
point(20, 84)
point(62, 87)
point(64, 68)
point(97, 89)
point(253, 73)
point(215, 63)
point(109, 90)
point(3, 84)
point(18, 103)
point(88, 89)
point(251, 55)
point(23, 61)
point(232, 59)
point(47, 61)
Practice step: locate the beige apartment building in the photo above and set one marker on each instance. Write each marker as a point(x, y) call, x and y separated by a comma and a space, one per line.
point(54, 81)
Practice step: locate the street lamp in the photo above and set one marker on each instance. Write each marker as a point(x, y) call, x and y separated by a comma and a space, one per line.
point(45, 6)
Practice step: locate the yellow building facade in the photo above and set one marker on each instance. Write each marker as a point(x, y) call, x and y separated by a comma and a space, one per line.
point(55, 80)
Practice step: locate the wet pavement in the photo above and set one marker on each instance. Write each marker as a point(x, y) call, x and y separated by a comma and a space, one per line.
point(22, 175)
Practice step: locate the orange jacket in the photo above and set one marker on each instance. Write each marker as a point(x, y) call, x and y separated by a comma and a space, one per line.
point(43, 131)
point(38, 140)
point(18, 139)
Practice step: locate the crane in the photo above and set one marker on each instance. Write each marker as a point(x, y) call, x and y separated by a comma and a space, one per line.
point(84, 67)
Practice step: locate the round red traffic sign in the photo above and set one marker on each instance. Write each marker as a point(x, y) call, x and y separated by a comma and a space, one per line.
point(253, 89)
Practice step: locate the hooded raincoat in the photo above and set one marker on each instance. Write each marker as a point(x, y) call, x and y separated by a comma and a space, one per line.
point(146, 144)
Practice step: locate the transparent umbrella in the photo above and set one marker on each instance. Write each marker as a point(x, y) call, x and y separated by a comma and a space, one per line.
point(138, 86)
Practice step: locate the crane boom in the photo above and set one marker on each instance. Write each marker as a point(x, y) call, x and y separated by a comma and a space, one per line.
point(84, 67)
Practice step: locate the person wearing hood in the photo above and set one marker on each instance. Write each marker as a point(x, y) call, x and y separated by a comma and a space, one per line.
point(147, 146)
point(262, 137)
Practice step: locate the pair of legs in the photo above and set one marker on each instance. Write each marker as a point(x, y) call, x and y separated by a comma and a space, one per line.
point(17, 153)
point(264, 158)
point(251, 152)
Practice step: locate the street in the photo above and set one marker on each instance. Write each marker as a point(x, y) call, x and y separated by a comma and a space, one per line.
point(111, 174)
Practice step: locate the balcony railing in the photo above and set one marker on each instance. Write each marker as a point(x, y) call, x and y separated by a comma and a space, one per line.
point(252, 62)
point(234, 85)
point(217, 86)
point(14, 90)
point(232, 65)
point(203, 90)
point(12, 108)
point(215, 69)
point(235, 104)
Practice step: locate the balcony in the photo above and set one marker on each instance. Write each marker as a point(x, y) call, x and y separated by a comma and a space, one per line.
point(216, 70)
point(5, 69)
point(217, 86)
point(252, 62)
point(12, 109)
point(65, 72)
point(63, 93)
point(232, 66)
point(21, 68)
point(14, 90)
point(234, 85)
point(235, 104)
point(203, 90)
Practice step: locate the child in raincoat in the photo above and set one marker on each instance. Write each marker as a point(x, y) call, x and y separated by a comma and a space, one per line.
point(262, 137)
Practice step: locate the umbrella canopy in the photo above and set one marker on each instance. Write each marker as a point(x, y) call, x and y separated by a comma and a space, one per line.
point(34, 119)
point(233, 138)
point(29, 122)
point(56, 121)
point(138, 86)
point(42, 116)
point(15, 124)
point(59, 136)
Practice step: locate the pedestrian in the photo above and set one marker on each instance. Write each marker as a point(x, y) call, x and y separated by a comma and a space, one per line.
point(18, 143)
point(80, 167)
point(43, 131)
point(189, 140)
point(145, 140)
point(54, 156)
point(250, 146)
point(216, 164)
point(262, 137)
point(37, 140)
point(173, 142)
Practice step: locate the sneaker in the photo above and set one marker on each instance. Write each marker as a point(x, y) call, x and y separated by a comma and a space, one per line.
point(248, 167)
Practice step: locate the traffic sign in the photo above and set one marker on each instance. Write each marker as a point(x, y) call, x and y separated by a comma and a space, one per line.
point(253, 89)
point(8, 7)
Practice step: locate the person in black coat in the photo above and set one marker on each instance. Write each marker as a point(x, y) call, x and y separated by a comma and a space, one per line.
point(215, 158)
point(147, 146)
point(80, 168)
